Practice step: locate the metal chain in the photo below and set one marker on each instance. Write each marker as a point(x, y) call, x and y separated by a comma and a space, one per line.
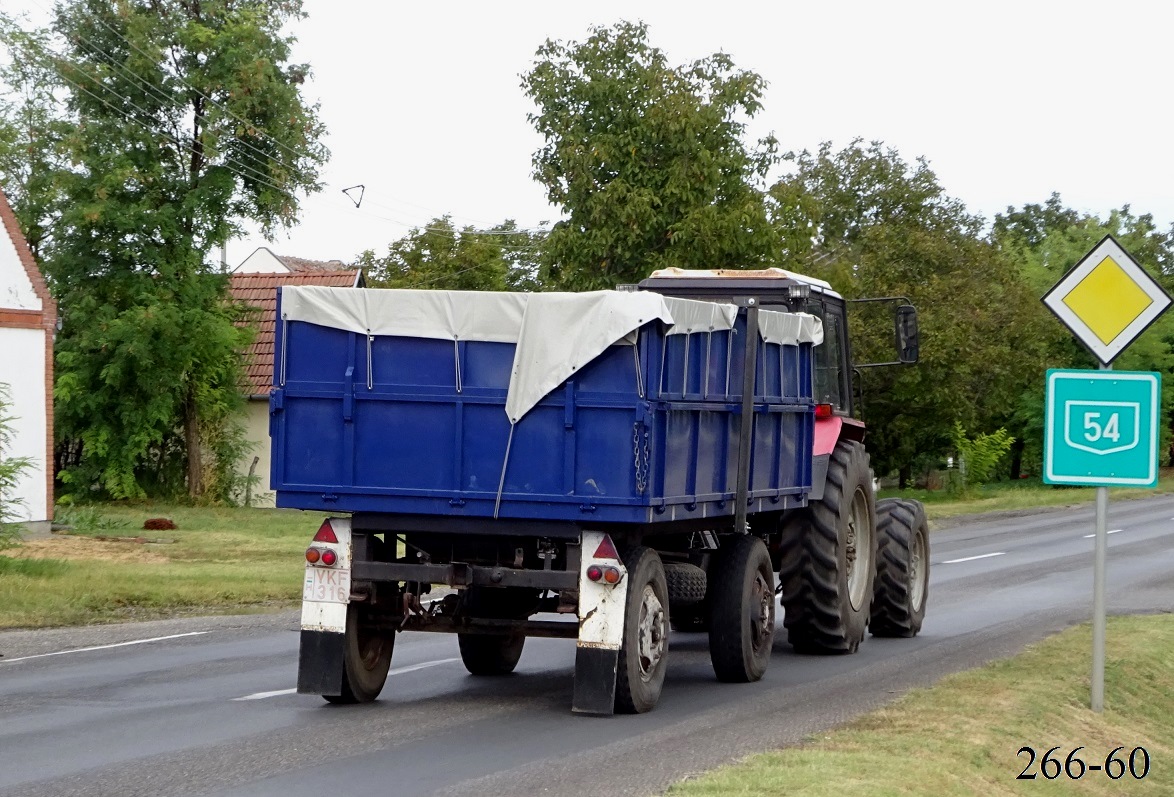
point(641, 456)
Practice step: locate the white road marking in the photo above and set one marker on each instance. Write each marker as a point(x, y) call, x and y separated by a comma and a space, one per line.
point(103, 647)
point(397, 671)
point(1111, 531)
point(972, 558)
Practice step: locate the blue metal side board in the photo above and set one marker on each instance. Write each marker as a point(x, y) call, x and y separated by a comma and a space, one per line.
point(641, 434)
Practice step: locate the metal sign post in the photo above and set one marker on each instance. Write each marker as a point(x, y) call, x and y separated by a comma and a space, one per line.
point(1102, 426)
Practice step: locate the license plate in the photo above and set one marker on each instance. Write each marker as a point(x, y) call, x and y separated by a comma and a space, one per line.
point(327, 585)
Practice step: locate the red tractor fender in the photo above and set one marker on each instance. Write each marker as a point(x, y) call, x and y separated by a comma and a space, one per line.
point(829, 432)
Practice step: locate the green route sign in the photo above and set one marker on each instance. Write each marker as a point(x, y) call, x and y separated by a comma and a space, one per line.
point(1101, 428)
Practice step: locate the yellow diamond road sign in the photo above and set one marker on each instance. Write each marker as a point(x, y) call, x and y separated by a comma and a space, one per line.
point(1107, 300)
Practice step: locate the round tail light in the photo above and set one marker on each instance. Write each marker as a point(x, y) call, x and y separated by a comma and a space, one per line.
point(329, 558)
point(594, 572)
point(313, 555)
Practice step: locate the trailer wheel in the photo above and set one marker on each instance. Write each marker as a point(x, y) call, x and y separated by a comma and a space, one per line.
point(492, 654)
point(902, 568)
point(742, 610)
point(644, 652)
point(366, 658)
point(687, 585)
point(829, 559)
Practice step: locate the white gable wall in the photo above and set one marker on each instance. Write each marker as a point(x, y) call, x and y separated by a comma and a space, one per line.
point(22, 368)
point(261, 261)
point(16, 289)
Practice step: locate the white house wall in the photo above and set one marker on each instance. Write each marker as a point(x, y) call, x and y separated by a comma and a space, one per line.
point(257, 431)
point(22, 368)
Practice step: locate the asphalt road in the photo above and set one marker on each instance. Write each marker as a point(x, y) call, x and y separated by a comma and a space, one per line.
point(206, 705)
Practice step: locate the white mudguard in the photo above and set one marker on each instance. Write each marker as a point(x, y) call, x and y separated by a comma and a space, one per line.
point(326, 592)
point(602, 608)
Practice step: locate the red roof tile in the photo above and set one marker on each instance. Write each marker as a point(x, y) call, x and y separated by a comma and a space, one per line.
point(260, 291)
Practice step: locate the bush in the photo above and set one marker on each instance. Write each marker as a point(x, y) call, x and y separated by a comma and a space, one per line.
point(978, 456)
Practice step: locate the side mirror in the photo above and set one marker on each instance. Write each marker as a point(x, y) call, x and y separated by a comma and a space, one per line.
point(907, 335)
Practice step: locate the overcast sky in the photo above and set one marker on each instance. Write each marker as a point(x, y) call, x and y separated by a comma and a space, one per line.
point(1009, 101)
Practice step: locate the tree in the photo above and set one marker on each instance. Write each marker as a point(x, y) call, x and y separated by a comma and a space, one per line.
point(441, 257)
point(646, 160)
point(876, 225)
point(179, 121)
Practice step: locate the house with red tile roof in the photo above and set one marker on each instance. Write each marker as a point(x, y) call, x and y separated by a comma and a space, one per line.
point(28, 322)
point(259, 290)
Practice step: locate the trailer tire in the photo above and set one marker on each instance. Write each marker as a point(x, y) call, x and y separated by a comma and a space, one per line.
point(490, 654)
point(829, 559)
point(366, 659)
point(742, 610)
point(644, 652)
point(902, 568)
point(493, 654)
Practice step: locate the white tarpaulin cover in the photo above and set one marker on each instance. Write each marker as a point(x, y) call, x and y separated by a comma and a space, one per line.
point(789, 329)
point(690, 315)
point(556, 333)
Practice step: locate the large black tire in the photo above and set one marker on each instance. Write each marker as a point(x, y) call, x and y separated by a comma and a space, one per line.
point(742, 610)
point(644, 652)
point(829, 559)
point(492, 654)
point(366, 658)
point(902, 568)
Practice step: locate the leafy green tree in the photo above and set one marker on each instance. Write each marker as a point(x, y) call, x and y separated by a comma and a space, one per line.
point(441, 257)
point(1045, 241)
point(178, 122)
point(646, 160)
point(877, 225)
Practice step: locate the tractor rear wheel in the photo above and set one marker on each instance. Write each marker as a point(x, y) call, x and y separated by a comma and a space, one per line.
point(902, 568)
point(829, 559)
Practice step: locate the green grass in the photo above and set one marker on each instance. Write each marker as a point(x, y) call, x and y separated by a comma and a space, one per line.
point(961, 737)
point(217, 560)
point(1025, 494)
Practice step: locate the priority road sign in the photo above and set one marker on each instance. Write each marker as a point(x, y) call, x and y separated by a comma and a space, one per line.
point(1101, 428)
point(1107, 300)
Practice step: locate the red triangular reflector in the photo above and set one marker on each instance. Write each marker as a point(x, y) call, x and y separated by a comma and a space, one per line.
point(325, 533)
point(607, 549)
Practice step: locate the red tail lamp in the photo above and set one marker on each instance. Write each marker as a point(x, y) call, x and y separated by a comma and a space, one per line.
point(823, 411)
point(605, 573)
point(329, 558)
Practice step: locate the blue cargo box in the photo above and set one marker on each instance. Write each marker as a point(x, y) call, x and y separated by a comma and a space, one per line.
point(646, 431)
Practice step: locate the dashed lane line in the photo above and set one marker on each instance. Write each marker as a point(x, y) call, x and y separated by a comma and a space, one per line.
point(1114, 531)
point(398, 671)
point(103, 647)
point(972, 558)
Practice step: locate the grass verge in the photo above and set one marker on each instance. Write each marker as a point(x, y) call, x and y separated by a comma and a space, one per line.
point(109, 569)
point(961, 737)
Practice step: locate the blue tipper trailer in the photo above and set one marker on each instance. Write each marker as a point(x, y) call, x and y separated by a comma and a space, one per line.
point(598, 457)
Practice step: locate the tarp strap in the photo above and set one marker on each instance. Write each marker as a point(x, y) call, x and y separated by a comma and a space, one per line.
point(284, 348)
point(456, 358)
point(505, 464)
point(639, 372)
point(370, 376)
